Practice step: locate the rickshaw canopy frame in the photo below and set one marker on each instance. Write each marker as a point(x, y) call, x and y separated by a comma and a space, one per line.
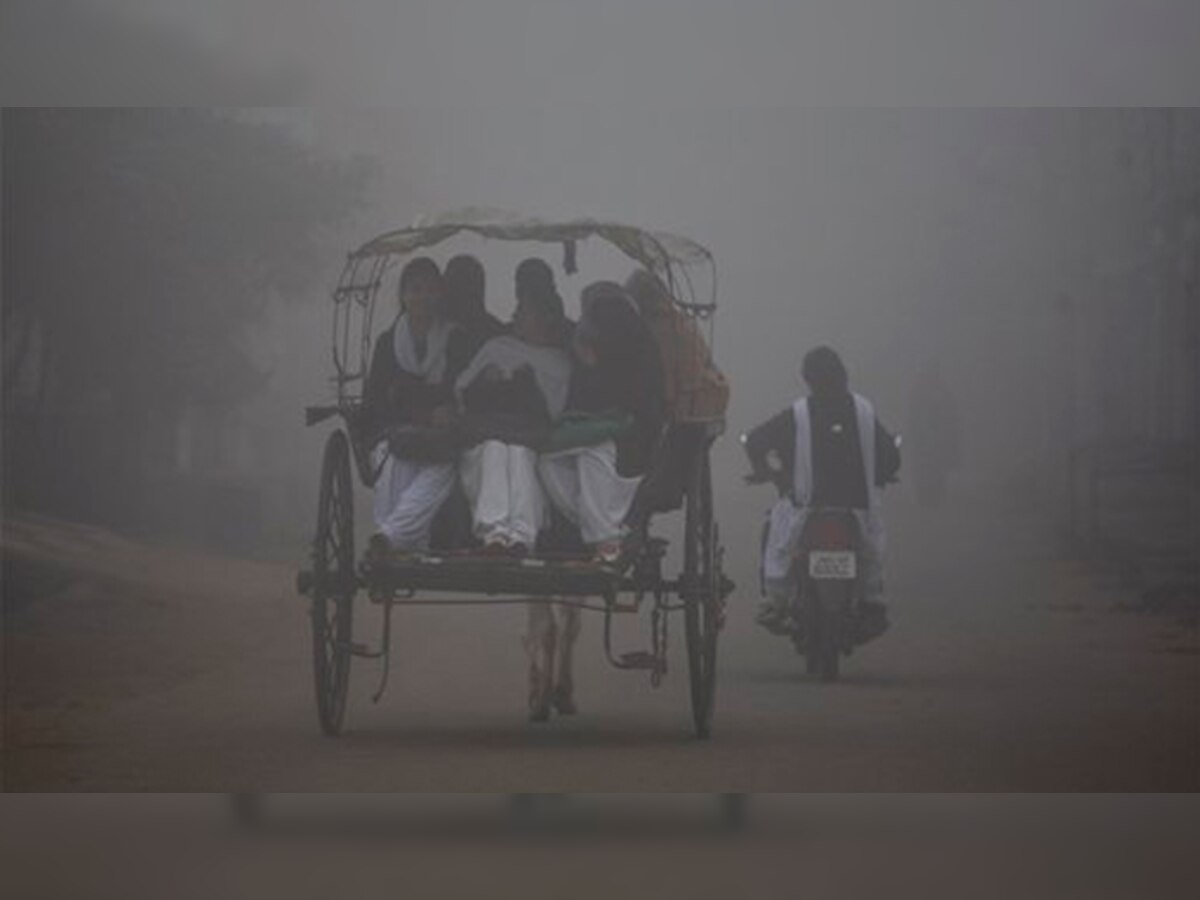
point(672, 258)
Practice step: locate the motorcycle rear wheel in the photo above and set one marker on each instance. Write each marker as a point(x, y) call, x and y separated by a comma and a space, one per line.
point(828, 608)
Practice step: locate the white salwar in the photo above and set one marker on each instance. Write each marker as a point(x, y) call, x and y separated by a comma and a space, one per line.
point(500, 480)
point(507, 504)
point(583, 483)
point(786, 519)
point(407, 498)
point(409, 494)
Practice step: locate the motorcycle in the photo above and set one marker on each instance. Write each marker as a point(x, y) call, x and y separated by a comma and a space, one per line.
point(828, 616)
point(828, 612)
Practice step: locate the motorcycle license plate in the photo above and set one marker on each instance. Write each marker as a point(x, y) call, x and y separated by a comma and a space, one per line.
point(829, 564)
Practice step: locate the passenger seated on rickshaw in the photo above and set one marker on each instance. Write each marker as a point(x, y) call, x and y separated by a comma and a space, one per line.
point(465, 306)
point(406, 389)
point(695, 391)
point(466, 292)
point(510, 394)
point(604, 444)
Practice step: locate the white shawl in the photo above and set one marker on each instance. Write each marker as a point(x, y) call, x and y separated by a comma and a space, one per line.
point(430, 368)
point(551, 368)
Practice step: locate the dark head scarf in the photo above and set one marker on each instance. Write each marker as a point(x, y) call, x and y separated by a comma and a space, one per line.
point(610, 324)
point(824, 371)
point(649, 292)
point(628, 373)
point(420, 268)
point(465, 290)
point(606, 292)
point(535, 286)
point(627, 360)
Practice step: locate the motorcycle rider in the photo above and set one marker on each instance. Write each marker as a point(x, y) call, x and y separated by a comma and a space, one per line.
point(822, 460)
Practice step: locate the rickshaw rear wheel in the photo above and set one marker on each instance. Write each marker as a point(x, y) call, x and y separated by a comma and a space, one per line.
point(701, 590)
point(334, 584)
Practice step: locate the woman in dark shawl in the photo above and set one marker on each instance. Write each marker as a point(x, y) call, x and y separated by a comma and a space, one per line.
point(407, 386)
point(617, 390)
point(466, 291)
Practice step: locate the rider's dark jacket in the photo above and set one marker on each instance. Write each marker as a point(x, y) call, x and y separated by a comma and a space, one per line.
point(838, 477)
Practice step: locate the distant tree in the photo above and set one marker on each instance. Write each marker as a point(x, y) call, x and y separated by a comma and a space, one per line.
point(139, 244)
point(87, 53)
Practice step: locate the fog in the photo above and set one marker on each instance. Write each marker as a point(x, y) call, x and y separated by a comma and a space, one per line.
point(167, 307)
point(896, 236)
point(611, 54)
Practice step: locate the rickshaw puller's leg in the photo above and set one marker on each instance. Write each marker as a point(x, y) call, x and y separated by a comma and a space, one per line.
point(540, 644)
point(570, 623)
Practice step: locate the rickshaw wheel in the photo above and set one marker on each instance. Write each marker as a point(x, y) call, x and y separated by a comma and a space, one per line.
point(701, 598)
point(334, 584)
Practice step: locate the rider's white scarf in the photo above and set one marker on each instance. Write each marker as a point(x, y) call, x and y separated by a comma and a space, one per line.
point(430, 368)
point(802, 473)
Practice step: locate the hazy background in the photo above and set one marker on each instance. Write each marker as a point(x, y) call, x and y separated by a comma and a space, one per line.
point(1046, 258)
point(606, 54)
point(166, 281)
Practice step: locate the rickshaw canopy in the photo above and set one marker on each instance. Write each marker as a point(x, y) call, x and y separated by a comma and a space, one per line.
point(656, 250)
point(675, 259)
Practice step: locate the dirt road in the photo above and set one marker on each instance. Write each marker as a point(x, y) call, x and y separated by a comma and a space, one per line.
point(135, 667)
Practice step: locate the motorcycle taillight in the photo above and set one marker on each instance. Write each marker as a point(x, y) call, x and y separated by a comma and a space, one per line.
point(830, 534)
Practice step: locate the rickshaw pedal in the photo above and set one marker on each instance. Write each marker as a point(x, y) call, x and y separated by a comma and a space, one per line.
point(640, 659)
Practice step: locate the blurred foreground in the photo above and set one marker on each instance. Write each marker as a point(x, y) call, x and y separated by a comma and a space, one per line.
point(631, 845)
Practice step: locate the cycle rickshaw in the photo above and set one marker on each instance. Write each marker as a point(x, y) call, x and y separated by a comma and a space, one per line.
point(680, 480)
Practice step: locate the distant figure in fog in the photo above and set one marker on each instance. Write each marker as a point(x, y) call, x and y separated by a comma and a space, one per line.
point(832, 452)
point(935, 435)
